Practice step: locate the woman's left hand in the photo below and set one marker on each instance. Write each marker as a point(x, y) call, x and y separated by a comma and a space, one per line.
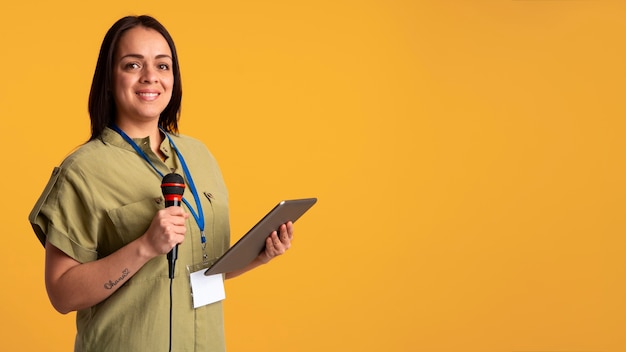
point(277, 243)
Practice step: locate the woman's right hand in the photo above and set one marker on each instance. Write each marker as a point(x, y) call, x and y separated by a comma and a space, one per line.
point(166, 230)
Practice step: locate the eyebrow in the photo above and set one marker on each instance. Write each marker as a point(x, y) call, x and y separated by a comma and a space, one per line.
point(138, 56)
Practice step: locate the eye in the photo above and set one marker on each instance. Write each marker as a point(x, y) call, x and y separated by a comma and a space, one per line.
point(132, 66)
point(164, 67)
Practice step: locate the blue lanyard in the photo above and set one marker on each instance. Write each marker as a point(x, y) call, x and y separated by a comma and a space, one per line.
point(192, 187)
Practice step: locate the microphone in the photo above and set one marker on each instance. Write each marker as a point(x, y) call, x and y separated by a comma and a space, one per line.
point(173, 187)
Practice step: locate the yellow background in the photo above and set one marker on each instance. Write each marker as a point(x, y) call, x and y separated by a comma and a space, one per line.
point(468, 157)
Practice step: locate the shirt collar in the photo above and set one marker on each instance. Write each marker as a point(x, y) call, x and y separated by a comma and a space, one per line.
point(109, 136)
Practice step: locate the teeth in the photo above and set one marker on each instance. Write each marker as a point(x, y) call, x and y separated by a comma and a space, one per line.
point(148, 94)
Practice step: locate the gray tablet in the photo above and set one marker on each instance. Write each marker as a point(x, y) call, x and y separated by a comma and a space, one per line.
point(252, 243)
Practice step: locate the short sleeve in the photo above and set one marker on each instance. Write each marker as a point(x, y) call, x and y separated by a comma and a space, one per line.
point(62, 215)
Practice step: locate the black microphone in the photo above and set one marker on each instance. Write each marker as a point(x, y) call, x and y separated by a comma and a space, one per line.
point(173, 187)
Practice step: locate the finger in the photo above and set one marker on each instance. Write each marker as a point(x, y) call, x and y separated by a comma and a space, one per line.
point(280, 246)
point(286, 234)
point(283, 232)
point(275, 238)
point(288, 230)
point(284, 242)
point(174, 231)
point(177, 221)
point(269, 247)
point(173, 225)
point(177, 212)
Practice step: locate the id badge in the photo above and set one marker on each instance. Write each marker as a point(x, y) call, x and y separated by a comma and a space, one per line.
point(205, 289)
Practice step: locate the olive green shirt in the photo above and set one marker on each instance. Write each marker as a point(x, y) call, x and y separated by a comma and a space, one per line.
point(103, 196)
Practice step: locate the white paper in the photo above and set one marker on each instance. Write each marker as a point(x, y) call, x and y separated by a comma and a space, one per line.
point(206, 289)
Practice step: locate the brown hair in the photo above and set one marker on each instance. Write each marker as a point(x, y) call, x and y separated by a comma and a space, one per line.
point(102, 108)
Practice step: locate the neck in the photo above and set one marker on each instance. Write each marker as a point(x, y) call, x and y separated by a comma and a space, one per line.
point(151, 130)
point(139, 130)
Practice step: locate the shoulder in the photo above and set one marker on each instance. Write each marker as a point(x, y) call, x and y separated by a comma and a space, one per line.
point(190, 145)
point(197, 155)
point(85, 156)
point(187, 141)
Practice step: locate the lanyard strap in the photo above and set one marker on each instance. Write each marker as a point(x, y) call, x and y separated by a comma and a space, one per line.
point(199, 217)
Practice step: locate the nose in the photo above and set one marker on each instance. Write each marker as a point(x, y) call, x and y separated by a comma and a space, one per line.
point(149, 75)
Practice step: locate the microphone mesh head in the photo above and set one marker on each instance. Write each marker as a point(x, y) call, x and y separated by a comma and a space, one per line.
point(173, 184)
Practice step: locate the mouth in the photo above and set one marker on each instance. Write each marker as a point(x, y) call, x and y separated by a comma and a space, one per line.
point(148, 96)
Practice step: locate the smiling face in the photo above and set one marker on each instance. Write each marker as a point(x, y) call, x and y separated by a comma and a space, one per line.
point(142, 77)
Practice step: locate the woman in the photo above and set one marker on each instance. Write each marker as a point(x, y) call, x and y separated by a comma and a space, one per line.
point(101, 217)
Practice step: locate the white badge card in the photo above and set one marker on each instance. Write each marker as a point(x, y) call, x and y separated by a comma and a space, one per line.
point(206, 289)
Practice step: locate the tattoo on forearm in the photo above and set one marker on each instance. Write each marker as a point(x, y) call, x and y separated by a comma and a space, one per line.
point(109, 285)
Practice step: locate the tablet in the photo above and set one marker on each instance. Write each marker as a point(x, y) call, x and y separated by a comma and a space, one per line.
point(252, 243)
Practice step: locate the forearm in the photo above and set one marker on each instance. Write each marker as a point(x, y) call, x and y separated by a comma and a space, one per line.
point(72, 286)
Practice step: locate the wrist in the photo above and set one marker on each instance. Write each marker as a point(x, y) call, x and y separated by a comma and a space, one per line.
point(143, 248)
